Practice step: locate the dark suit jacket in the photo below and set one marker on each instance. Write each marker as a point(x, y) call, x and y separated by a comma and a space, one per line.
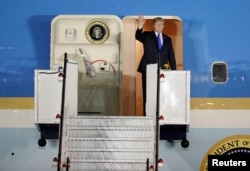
point(149, 41)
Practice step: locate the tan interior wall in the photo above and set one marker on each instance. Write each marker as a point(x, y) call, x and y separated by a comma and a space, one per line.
point(173, 28)
point(138, 90)
point(129, 67)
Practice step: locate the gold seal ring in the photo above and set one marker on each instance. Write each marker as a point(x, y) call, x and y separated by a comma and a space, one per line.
point(97, 32)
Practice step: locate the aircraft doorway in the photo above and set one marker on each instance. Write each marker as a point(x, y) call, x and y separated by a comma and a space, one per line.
point(133, 49)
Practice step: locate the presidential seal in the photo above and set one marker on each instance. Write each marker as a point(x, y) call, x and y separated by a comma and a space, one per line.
point(232, 145)
point(97, 32)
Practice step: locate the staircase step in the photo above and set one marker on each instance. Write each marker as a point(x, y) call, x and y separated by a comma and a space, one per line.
point(108, 166)
point(109, 144)
point(98, 143)
point(110, 133)
point(110, 121)
point(109, 155)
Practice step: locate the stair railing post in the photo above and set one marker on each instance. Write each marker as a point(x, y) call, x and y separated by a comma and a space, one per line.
point(62, 111)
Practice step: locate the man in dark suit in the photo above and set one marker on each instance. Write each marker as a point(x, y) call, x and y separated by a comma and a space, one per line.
point(150, 42)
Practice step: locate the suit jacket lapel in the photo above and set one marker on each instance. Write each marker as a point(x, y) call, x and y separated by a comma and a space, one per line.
point(154, 38)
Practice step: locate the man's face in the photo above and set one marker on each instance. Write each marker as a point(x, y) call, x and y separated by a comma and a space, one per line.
point(158, 26)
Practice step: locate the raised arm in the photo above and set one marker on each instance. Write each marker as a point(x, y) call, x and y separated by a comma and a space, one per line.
point(141, 21)
point(138, 34)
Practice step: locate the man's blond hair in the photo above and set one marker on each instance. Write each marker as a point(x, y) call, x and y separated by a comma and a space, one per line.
point(156, 19)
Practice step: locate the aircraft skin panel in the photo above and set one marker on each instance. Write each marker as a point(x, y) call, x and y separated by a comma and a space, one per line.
point(212, 31)
point(199, 118)
point(220, 103)
point(17, 118)
point(195, 103)
point(218, 118)
point(17, 103)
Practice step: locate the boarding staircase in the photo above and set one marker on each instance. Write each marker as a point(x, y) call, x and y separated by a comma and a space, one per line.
point(108, 143)
point(94, 142)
